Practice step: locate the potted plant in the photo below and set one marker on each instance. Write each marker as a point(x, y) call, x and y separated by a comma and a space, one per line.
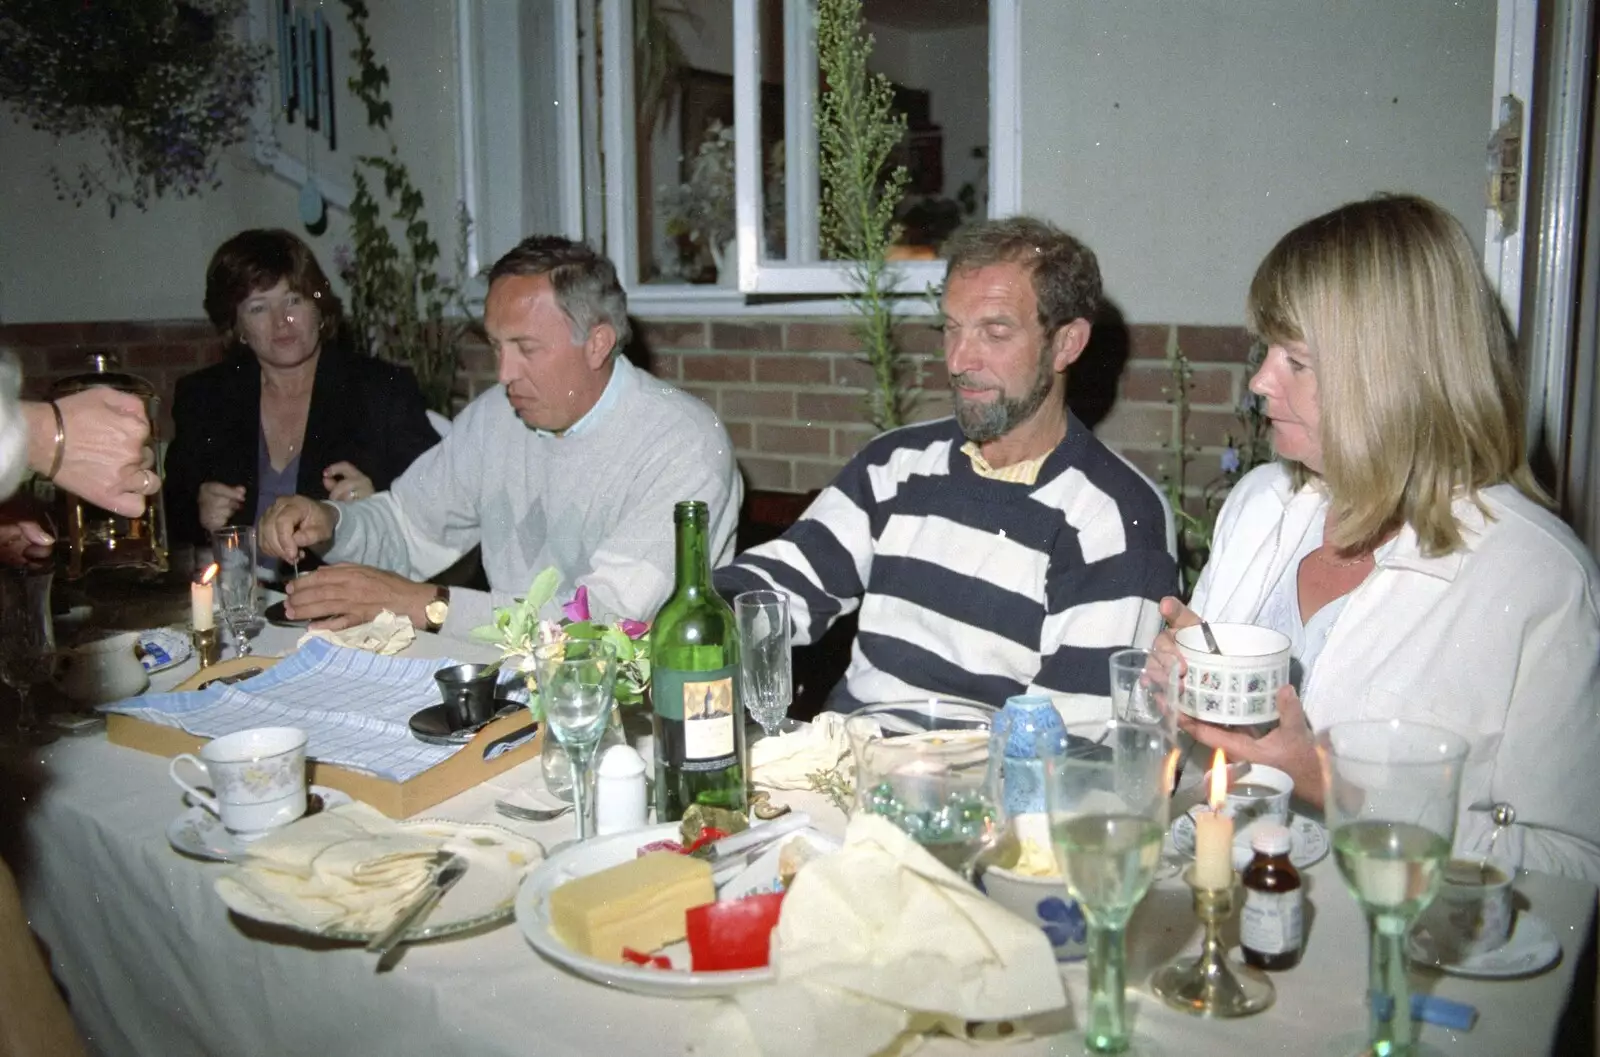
point(700, 210)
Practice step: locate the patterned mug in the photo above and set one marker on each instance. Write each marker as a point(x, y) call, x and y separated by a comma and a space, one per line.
point(258, 778)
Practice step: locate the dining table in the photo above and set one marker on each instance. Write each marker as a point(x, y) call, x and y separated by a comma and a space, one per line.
point(153, 962)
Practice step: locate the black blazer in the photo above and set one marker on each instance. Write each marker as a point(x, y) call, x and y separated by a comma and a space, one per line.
point(367, 411)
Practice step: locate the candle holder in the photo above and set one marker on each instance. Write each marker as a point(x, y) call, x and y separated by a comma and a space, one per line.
point(207, 646)
point(1212, 985)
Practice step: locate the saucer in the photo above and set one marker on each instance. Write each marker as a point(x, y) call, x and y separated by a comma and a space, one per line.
point(432, 724)
point(1531, 948)
point(1308, 841)
point(275, 615)
point(200, 834)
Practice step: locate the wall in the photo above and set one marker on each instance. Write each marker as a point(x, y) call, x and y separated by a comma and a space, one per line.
point(1180, 138)
point(60, 262)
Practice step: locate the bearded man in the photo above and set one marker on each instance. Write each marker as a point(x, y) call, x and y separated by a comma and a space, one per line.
point(1001, 551)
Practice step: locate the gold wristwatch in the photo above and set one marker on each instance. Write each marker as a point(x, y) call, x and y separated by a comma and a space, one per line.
point(438, 610)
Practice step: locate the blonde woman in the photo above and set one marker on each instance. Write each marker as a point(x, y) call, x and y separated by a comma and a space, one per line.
point(1400, 540)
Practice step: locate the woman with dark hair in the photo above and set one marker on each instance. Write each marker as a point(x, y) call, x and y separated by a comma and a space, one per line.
point(290, 410)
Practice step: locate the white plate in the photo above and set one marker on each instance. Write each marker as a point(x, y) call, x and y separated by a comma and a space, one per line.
point(1532, 948)
point(174, 644)
point(592, 856)
point(1308, 841)
point(199, 833)
point(497, 860)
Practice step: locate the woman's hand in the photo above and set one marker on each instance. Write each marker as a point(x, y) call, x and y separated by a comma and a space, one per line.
point(218, 503)
point(1177, 615)
point(344, 482)
point(1290, 746)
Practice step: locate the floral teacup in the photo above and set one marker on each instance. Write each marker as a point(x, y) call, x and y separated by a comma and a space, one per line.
point(258, 776)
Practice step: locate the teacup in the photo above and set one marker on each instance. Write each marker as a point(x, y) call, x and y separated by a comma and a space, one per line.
point(259, 778)
point(468, 693)
point(102, 670)
point(1263, 793)
point(1471, 915)
point(1238, 686)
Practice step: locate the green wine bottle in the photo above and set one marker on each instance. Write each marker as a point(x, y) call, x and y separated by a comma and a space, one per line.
point(694, 672)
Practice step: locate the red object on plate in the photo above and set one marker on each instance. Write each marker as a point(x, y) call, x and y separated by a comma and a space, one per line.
point(661, 845)
point(707, 835)
point(733, 935)
point(659, 961)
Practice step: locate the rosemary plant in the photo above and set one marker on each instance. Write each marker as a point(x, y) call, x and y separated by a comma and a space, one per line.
point(856, 131)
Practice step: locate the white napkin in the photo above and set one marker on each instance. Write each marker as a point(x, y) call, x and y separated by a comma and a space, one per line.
point(784, 761)
point(386, 634)
point(877, 944)
point(349, 868)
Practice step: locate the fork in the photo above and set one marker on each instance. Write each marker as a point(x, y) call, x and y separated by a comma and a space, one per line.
point(530, 814)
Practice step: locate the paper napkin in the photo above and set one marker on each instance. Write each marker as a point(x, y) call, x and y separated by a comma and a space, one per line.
point(348, 868)
point(879, 943)
point(387, 634)
point(784, 761)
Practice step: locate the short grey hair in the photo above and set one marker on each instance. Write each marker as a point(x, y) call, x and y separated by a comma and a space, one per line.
point(1066, 276)
point(585, 282)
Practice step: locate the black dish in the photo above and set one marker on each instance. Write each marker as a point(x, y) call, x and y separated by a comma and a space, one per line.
point(276, 615)
point(432, 724)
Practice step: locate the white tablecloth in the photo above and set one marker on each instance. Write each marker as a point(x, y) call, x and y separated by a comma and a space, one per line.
point(155, 965)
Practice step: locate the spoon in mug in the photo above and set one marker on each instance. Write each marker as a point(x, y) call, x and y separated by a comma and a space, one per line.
point(1503, 815)
point(1211, 639)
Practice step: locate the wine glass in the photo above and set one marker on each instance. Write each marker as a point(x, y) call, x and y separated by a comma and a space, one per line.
point(1391, 789)
point(941, 787)
point(27, 647)
point(1107, 786)
point(576, 679)
point(765, 670)
point(234, 550)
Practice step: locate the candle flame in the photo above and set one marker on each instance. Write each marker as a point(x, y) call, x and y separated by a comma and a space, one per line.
point(210, 573)
point(1219, 781)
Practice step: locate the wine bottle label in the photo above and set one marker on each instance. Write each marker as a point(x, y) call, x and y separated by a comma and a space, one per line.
point(704, 702)
point(1270, 921)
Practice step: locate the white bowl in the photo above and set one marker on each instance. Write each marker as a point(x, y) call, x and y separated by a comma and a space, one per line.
point(1043, 901)
point(1239, 685)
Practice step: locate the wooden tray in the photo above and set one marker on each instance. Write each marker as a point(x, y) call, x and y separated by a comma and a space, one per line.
point(459, 773)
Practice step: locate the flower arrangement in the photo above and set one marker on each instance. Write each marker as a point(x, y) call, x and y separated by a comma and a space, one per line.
point(518, 631)
point(164, 83)
point(701, 208)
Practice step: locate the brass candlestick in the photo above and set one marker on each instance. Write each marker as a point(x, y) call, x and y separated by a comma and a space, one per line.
point(207, 646)
point(1212, 985)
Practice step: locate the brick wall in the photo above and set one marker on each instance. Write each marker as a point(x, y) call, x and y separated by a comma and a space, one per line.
point(792, 392)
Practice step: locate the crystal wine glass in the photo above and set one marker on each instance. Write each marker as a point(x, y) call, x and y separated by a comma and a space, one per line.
point(1107, 785)
point(1391, 793)
point(234, 550)
point(765, 669)
point(27, 647)
point(941, 787)
point(576, 679)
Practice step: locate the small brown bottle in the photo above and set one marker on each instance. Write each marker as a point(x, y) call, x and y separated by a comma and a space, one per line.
point(1270, 924)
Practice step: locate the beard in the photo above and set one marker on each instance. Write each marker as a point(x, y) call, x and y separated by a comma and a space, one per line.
point(983, 422)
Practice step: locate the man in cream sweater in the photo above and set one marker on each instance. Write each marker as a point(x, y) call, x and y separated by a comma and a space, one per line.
point(574, 461)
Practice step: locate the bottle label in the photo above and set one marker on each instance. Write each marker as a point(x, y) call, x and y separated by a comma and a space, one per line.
point(1270, 922)
point(705, 704)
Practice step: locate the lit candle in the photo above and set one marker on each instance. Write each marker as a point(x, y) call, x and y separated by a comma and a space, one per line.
point(1213, 833)
point(200, 596)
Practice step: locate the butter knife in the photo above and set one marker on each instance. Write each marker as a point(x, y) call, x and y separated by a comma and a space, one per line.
point(448, 870)
point(229, 680)
point(756, 837)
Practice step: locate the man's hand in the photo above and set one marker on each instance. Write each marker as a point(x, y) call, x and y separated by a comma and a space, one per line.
point(1290, 746)
point(106, 457)
point(218, 503)
point(342, 596)
point(24, 542)
point(293, 523)
point(344, 482)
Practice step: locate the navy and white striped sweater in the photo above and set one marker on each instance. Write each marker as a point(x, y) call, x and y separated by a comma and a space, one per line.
point(969, 587)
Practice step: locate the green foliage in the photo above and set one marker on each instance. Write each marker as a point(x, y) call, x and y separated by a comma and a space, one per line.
point(1246, 449)
point(163, 83)
point(857, 129)
point(401, 308)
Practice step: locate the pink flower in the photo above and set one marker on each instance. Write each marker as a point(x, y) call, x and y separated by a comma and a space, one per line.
point(578, 609)
point(633, 628)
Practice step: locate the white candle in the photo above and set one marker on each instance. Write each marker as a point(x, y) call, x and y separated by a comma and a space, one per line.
point(1213, 833)
point(200, 600)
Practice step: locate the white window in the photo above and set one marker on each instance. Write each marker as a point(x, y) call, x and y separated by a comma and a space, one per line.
point(752, 64)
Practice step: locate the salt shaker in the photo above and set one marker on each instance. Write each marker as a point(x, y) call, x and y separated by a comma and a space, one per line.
point(619, 803)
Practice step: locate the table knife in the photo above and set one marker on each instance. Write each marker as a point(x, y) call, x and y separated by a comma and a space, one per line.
point(229, 680)
point(756, 837)
point(447, 873)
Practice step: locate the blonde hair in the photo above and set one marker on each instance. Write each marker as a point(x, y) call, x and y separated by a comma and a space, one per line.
point(1420, 402)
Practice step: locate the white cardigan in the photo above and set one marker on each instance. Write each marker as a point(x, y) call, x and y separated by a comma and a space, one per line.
point(1499, 641)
